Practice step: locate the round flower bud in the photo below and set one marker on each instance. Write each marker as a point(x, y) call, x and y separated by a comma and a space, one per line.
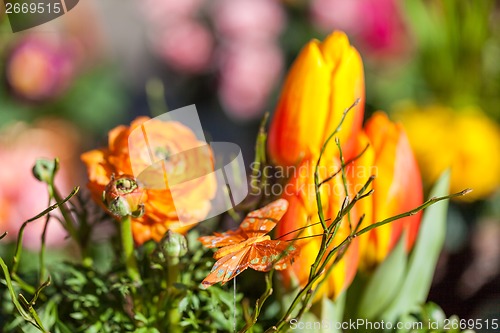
point(44, 169)
point(123, 197)
point(173, 246)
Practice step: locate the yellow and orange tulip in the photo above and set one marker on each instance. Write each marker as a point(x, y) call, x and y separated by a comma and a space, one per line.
point(302, 211)
point(323, 82)
point(398, 187)
point(325, 79)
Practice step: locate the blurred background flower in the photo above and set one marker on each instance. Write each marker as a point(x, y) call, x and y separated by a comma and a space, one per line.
point(39, 69)
point(234, 39)
point(377, 25)
point(464, 140)
point(21, 195)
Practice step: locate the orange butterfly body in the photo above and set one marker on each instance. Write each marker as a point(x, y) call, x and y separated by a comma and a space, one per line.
point(250, 246)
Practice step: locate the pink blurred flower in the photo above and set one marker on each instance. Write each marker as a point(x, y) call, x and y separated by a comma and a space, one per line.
point(248, 19)
point(39, 68)
point(249, 61)
point(377, 25)
point(21, 195)
point(186, 46)
point(248, 74)
point(160, 11)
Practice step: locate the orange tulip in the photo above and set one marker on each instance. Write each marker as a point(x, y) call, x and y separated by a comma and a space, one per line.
point(302, 211)
point(358, 171)
point(398, 188)
point(324, 80)
point(160, 213)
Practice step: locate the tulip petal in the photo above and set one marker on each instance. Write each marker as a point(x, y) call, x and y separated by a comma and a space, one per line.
point(347, 85)
point(297, 128)
point(398, 186)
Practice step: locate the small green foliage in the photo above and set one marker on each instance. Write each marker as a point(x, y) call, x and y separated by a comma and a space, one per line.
point(83, 299)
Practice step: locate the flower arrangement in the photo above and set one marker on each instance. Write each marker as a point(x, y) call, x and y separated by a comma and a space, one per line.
point(350, 243)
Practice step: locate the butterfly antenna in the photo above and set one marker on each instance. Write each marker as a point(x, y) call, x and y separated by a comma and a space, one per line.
point(307, 226)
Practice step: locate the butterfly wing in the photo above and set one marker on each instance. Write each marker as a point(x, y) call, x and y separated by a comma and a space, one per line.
point(260, 256)
point(269, 254)
point(228, 267)
point(230, 237)
point(259, 222)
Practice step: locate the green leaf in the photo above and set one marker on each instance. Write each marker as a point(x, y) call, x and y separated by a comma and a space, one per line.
point(25, 314)
point(384, 283)
point(423, 259)
point(332, 312)
point(305, 324)
point(62, 327)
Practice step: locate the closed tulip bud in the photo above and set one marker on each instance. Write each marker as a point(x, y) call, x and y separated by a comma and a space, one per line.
point(123, 197)
point(398, 188)
point(325, 80)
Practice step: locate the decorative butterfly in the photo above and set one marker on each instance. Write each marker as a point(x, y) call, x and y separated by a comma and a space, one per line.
point(250, 246)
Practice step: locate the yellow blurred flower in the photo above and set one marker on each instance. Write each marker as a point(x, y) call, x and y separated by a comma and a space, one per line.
point(465, 140)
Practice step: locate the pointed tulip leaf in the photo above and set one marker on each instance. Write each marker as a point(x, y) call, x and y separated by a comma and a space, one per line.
point(424, 256)
point(384, 283)
point(332, 311)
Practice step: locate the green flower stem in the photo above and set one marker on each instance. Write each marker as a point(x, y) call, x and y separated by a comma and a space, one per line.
point(30, 314)
point(316, 170)
point(18, 250)
point(260, 302)
point(41, 255)
point(69, 223)
point(174, 315)
point(128, 248)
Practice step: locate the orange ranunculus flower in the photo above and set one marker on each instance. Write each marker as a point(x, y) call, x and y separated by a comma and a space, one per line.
point(324, 80)
point(165, 141)
point(302, 211)
point(398, 188)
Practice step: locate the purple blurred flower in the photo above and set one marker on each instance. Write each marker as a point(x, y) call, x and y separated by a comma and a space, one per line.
point(39, 68)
